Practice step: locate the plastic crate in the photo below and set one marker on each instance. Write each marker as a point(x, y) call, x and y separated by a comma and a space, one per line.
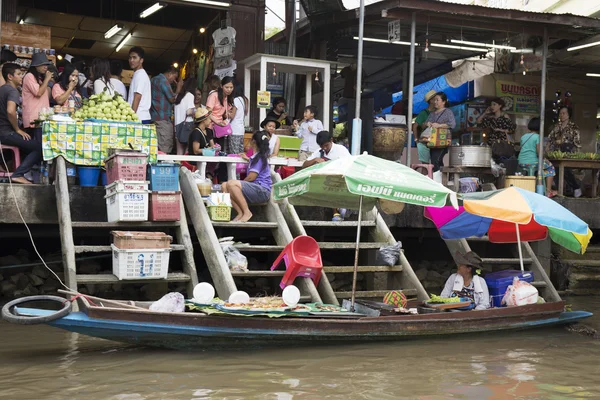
point(126, 166)
point(498, 282)
point(140, 263)
point(219, 213)
point(469, 185)
point(164, 177)
point(141, 240)
point(127, 206)
point(165, 206)
point(121, 186)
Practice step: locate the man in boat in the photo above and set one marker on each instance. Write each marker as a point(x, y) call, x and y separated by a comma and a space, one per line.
point(467, 283)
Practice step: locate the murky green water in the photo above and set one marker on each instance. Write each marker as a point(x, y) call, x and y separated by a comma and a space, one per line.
point(40, 362)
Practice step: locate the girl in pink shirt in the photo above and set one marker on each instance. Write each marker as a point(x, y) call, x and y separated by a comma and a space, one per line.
point(220, 103)
point(66, 88)
point(35, 89)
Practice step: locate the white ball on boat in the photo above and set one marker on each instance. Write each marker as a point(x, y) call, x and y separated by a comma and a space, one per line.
point(204, 292)
point(291, 296)
point(239, 297)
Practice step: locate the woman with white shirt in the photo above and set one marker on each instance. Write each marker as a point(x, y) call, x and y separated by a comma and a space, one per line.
point(467, 283)
point(102, 76)
point(184, 112)
point(239, 112)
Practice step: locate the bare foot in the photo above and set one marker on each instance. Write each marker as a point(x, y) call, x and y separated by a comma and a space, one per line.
point(20, 179)
point(246, 217)
point(237, 218)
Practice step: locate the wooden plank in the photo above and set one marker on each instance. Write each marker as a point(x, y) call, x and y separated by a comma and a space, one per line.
point(505, 261)
point(539, 284)
point(64, 221)
point(374, 293)
point(371, 268)
point(584, 263)
point(106, 249)
point(184, 238)
point(35, 36)
point(343, 246)
point(257, 274)
point(336, 224)
point(209, 242)
point(246, 225)
point(257, 248)
point(110, 279)
point(550, 293)
point(478, 239)
point(125, 225)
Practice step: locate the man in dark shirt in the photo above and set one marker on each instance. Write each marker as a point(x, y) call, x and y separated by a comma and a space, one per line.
point(10, 133)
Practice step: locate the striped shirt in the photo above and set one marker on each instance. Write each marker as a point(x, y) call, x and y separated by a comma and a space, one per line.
point(161, 109)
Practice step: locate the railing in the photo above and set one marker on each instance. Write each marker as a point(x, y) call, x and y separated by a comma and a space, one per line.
point(231, 162)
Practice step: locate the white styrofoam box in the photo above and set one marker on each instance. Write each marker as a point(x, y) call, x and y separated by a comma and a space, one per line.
point(395, 119)
point(140, 263)
point(127, 206)
point(120, 186)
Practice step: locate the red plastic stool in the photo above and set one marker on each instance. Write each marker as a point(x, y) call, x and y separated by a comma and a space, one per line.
point(302, 257)
point(428, 167)
point(16, 158)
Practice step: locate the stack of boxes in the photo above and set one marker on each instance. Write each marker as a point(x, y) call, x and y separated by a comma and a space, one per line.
point(127, 189)
point(165, 199)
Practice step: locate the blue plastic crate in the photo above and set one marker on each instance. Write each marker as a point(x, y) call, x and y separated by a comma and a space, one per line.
point(498, 282)
point(164, 177)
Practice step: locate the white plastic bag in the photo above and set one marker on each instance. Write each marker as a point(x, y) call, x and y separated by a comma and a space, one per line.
point(235, 260)
point(437, 176)
point(171, 302)
point(520, 293)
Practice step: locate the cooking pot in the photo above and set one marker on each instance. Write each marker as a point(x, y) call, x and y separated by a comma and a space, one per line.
point(470, 156)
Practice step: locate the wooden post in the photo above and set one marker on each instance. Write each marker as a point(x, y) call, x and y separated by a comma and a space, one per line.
point(183, 237)
point(209, 243)
point(561, 179)
point(550, 292)
point(65, 226)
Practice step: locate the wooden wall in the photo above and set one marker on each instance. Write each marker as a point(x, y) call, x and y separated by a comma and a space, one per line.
point(26, 35)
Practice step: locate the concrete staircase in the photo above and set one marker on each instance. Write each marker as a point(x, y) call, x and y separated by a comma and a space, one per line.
point(582, 272)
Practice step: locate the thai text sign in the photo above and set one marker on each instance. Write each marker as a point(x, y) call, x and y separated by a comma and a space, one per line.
point(519, 98)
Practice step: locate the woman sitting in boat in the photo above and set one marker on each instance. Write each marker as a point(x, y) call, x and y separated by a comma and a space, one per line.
point(256, 188)
point(467, 283)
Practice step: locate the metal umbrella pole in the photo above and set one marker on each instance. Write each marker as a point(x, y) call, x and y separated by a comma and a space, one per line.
point(357, 122)
point(540, 176)
point(355, 275)
point(411, 87)
point(520, 250)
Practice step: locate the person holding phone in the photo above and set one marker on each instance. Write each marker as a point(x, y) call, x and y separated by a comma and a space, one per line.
point(36, 94)
point(278, 112)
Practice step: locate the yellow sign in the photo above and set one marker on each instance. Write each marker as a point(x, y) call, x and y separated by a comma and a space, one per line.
point(263, 99)
point(519, 98)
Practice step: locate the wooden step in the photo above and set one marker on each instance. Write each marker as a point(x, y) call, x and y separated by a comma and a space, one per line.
point(539, 284)
point(107, 249)
point(246, 225)
point(257, 274)
point(336, 224)
point(478, 239)
point(257, 248)
point(506, 261)
point(583, 263)
point(371, 268)
point(125, 225)
point(373, 293)
point(351, 245)
point(110, 278)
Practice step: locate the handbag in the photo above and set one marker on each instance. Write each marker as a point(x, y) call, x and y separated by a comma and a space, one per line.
point(439, 137)
point(222, 131)
point(503, 149)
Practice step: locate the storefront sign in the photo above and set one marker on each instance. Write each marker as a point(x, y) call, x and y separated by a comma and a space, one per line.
point(519, 98)
point(263, 99)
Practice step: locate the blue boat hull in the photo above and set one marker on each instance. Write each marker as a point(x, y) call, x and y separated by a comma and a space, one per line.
point(205, 332)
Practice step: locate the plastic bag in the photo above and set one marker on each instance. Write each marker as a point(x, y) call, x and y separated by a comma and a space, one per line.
point(437, 176)
point(171, 302)
point(235, 260)
point(520, 293)
point(390, 255)
point(497, 170)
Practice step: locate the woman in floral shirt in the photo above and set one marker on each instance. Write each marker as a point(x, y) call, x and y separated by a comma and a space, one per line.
point(497, 122)
point(565, 137)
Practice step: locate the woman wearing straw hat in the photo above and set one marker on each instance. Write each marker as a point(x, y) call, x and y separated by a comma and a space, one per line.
point(467, 283)
point(201, 138)
point(419, 126)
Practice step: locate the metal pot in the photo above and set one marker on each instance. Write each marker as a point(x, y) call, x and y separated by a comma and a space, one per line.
point(470, 156)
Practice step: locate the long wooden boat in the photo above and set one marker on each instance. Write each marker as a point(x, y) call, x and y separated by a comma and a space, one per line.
point(200, 331)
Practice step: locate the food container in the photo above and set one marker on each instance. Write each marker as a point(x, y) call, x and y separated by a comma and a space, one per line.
point(470, 156)
point(498, 282)
point(164, 177)
point(140, 263)
point(141, 240)
point(127, 205)
point(121, 186)
point(205, 188)
point(523, 182)
point(129, 166)
point(165, 206)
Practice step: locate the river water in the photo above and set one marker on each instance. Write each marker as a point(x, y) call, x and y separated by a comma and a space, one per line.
point(40, 362)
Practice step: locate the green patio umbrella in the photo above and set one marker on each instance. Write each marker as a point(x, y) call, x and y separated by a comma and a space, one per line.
point(357, 181)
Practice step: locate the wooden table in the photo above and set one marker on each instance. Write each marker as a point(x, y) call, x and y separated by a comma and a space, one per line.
point(456, 171)
point(230, 161)
point(561, 164)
